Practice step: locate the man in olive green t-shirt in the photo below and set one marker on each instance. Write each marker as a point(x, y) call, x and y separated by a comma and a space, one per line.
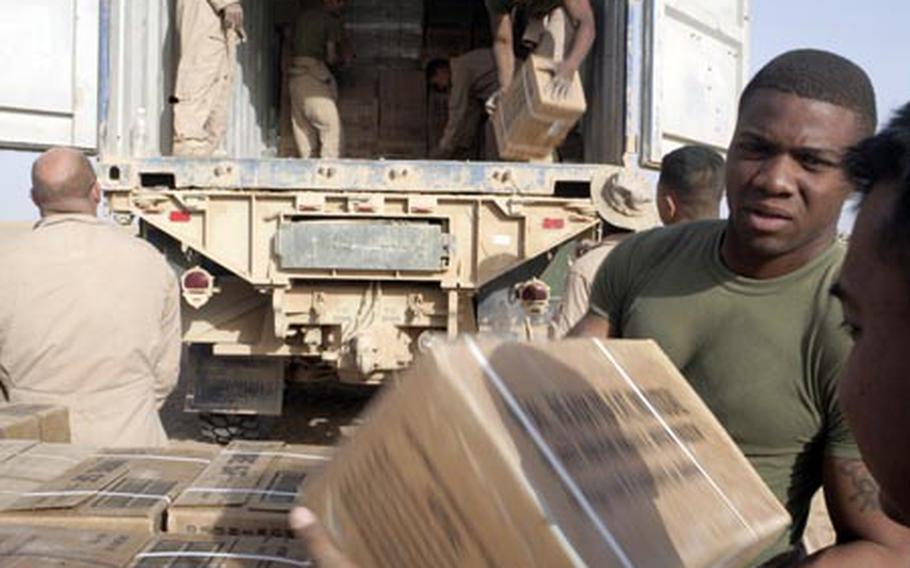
point(561, 30)
point(318, 42)
point(742, 306)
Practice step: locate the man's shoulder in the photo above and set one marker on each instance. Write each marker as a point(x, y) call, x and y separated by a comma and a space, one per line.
point(681, 239)
point(128, 245)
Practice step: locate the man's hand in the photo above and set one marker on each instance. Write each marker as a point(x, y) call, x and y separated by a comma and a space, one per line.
point(492, 102)
point(318, 541)
point(232, 19)
point(561, 83)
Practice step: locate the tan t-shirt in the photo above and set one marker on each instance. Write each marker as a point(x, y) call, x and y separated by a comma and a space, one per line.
point(765, 355)
point(90, 319)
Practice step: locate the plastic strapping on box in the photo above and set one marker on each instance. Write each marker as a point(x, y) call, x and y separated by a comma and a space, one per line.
point(27, 455)
point(548, 454)
point(240, 490)
point(87, 493)
point(672, 434)
point(225, 555)
point(278, 455)
point(155, 457)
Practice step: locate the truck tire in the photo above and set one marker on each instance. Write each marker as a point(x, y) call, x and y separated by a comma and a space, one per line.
point(224, 428)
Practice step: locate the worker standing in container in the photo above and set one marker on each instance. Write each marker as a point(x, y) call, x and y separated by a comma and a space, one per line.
point(560, 30)
point(209, 32)
point(319, 42)
point(90, 317)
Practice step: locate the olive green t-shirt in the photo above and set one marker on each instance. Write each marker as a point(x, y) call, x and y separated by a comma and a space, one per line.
point(314, 30)
point(764, 355)
point(534, 8)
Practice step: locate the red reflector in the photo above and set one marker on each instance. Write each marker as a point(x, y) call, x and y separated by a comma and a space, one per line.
point(195, 280)
point(553, 223)
point(179, 216)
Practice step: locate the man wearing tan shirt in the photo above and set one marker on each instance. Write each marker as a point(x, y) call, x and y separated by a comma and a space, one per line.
point(90, 317)
point(209, 32)
point(690, 188)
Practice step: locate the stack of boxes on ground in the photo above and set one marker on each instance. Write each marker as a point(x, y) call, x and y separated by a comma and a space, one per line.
point(151, 507)
point(382, 97)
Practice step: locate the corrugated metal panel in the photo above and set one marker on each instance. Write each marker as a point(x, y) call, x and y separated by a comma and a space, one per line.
point(48, 88)
point(141, 67)
point(695, 68)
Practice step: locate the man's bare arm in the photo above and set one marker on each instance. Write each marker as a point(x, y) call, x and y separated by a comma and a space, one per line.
point(865, 536)
point(503, 54)
point(592, 325)
point(582, 16)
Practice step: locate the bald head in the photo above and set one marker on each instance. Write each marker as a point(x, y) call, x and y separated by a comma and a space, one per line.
point(63, 181)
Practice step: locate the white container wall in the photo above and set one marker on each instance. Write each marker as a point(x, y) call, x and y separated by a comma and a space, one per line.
point(142, 63)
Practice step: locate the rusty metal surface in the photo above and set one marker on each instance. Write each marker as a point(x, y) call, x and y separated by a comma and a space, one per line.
point(359, 175)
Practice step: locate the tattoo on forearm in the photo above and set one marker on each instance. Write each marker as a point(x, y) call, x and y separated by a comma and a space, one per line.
point(863, 489)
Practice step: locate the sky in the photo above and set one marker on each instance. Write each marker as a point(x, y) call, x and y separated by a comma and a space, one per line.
point(871, 32)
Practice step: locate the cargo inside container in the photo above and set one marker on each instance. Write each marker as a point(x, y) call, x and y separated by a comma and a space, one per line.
point(386, 109)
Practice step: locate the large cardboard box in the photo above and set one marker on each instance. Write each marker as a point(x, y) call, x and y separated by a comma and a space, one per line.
point(243, 552)
point(44, 422)
point(247, 490)
point(25, 466)
point(529, 121)
point(544, 454)
point(34, 547)
point(120, 490)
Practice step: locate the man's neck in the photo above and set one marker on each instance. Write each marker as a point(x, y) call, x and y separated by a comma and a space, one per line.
point(746, 262)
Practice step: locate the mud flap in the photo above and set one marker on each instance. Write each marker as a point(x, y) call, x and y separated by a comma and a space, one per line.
point(235, 385)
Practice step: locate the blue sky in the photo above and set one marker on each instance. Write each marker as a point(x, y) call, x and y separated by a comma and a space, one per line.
point(871, 32)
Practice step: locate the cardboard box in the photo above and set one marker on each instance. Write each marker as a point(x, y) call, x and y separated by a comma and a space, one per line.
point(25, 466)
point(247, 490)
point(530, 123)
point(243, 552)
point(544, 454)
point(122, 490)
point(44, 422)
point(32, 547)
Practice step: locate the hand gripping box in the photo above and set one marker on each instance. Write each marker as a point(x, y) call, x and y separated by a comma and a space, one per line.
point(544, 454)
point(530, 121)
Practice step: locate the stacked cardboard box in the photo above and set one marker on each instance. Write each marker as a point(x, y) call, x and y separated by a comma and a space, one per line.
point(124, 490)
point(545, 454)
point(358, 107)
point(30, 547)
point(224, 552)
point(44, 422)
point(26, 465)
point(386, 29)
point(402, 113)
point(247, 490)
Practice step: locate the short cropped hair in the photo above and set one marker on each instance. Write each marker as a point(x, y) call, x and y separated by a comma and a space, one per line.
point(435, 65)
point(695, 175)
point(821, 76)
point(885, 158)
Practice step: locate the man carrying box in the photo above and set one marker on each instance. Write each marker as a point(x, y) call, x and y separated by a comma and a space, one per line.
point(742, 306)
point(560, 30)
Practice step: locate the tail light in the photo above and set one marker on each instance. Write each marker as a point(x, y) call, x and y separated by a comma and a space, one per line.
point(198, 286)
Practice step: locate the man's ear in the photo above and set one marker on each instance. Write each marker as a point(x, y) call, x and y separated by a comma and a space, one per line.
point(95, 194)
point(668, 204)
